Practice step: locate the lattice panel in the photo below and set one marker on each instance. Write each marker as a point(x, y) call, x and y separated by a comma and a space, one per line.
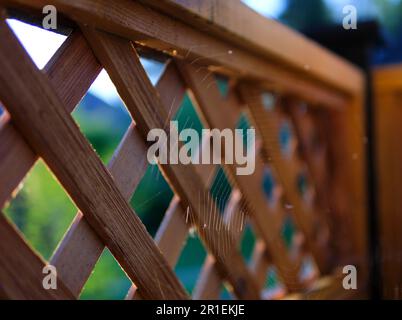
point(38, 124)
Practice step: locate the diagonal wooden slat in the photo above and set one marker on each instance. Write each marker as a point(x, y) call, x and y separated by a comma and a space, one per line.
point(80, 68)
point(21, 269)
point(119, 58)
point(38, 113)
point(214, 110)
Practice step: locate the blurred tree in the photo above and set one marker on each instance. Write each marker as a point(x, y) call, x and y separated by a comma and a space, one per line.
point(390, 14)
point(306, 14)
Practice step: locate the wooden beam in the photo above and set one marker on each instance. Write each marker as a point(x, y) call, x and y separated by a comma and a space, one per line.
point(136, 22)
point(234, 22)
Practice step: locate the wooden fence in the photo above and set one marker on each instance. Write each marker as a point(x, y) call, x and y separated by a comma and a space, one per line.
point(276, 77)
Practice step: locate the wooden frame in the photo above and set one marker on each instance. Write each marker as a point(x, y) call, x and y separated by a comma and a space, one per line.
point(38, 124)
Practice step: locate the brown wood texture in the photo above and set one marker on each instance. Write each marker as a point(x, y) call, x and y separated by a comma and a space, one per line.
point(234, 22)
point(388, 101)
point(38, 113)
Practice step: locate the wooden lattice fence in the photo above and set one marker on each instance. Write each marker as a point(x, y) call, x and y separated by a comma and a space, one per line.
point(276, 76)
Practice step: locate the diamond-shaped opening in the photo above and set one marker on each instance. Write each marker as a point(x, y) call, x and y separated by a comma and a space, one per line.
point(40, 44)
point(187, 116)
point(308, 270)
point(223, 84)
point(221, 190)
point(153, 68)
point(225, 292)
point(292, 237)
point(102, 118)
point(247, 243)
point(107, 281)
point(243, 124)
point(102, 115)
point(191, 261)
point(153, 194)
point(304, 187)
point(270, 187)
point(152, 198)
point(268, 100)
point(41, 210)
point(274, 288)
point(286, 138)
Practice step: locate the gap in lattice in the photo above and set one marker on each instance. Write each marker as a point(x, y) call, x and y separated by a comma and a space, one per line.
point(151, 199)
point(107, 281)
point(41, 209)
point(102, 118)
point(191, 261)
point(292, 237)
point(273, 288)
point(247, 242)
point(40, 44)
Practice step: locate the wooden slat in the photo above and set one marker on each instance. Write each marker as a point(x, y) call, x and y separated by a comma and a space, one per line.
point(21, 269)
point(134, 21)
point(214, 110)
point(38, 113)
point(388, 129)
point(348, 184)
point(267, 123)
point(234, 22)
point(121, 61)
point(72, 81)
